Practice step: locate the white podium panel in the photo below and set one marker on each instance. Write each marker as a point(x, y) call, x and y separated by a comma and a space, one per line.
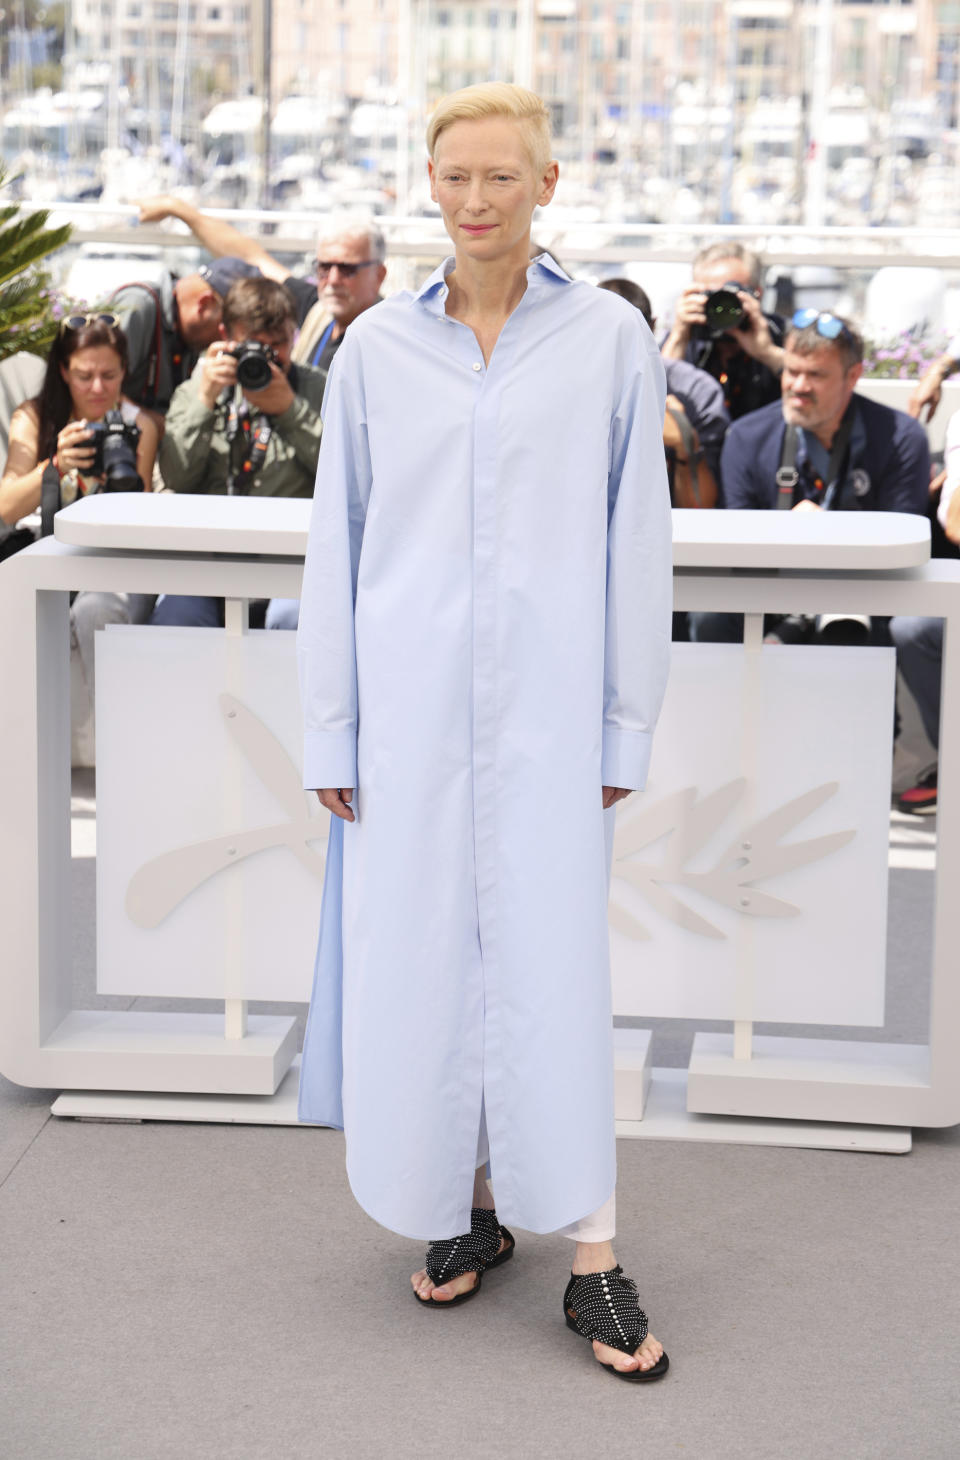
point(210, 856)
point(742, 876)
point(756, 853)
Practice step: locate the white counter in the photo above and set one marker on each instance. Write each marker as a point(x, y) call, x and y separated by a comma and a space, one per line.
point(277, 527)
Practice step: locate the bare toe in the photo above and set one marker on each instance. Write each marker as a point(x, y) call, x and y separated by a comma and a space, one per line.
point(647, 1356)
point(615, 1356)
point(455, 1287)
point(422, 1285)
point(649, 1352)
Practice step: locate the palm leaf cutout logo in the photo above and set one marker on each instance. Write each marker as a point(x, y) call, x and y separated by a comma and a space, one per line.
point(688, 823)
point(161, 884)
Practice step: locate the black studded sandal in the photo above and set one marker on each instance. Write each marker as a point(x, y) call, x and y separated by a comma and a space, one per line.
point(604, 1306)
point(476, 1251)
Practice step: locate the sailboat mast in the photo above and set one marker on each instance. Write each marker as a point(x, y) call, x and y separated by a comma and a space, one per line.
point(266, 92)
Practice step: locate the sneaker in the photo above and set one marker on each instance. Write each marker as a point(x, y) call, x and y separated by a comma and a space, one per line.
point(921, 799)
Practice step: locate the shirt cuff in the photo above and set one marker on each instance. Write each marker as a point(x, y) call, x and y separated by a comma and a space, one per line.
point(625, 758)
point(329, 759)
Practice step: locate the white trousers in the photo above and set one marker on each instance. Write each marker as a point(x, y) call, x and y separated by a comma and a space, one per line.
point(599, 1226)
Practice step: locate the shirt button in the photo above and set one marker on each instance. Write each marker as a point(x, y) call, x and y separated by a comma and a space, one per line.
point(477, 365)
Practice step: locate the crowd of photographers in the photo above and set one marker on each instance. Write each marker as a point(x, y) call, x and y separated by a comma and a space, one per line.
point(214, 382)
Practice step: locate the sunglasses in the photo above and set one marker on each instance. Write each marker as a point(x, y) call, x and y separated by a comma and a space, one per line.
point(80, 321)
point(828, 326)
point(347, 271)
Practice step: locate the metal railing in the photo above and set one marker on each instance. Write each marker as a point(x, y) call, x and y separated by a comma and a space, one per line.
point(582, 241)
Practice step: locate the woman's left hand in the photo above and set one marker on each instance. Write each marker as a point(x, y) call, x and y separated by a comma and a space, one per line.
point(613, 794)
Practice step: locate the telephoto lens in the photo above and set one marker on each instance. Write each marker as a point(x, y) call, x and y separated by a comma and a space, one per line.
point(253, 365)
point(115, 454)
point(723, 309)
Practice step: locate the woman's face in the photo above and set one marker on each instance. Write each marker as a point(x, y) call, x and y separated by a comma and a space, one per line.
point(93, 377)
point(484, 179)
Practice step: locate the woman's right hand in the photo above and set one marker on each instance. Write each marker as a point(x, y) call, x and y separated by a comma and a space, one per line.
point(74, 449)
point(218, 373)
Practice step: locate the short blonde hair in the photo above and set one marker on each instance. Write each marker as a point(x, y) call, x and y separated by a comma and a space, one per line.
point(496, 99)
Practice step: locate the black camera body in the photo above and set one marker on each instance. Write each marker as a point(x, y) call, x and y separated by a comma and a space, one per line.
point(724, 310)
point(253, 364)
point(115, 445)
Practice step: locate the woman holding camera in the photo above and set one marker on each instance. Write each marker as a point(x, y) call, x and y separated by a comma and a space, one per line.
point(50, 462)
point(85, 370)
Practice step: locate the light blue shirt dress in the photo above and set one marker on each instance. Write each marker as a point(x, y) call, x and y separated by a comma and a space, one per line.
point(484, 641)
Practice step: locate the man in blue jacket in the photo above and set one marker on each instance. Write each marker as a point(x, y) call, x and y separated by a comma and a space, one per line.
point(821, 447)
point(849, 454)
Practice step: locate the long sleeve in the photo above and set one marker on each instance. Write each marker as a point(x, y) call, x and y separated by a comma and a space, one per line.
point(185, 448)
point(905, 483)
point(639, 573)
point(300, 424)
point(326, 649)
point(741, 474)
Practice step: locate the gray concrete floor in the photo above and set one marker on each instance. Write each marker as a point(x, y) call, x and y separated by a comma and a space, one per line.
point(192, 1292)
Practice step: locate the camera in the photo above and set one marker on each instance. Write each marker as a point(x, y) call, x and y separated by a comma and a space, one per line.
point(115, 453)
point(253, 364)
point(723, 308)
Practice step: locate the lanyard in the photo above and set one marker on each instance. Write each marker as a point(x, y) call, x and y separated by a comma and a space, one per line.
point(322, 343)
point(248, 447)
point(151, 396)
point(788, 477)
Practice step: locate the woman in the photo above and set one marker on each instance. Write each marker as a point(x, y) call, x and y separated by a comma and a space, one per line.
point(85, 371)
point(483, 646)
point(50, 435)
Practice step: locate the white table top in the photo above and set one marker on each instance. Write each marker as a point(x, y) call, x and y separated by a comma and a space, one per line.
point(847, 542)
point(277, 527)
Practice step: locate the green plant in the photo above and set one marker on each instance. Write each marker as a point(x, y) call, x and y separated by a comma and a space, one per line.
point(27, 317)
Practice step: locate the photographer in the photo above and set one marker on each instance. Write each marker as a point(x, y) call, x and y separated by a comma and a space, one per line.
point(822, 447)
point(168, 324)
point(721, 328)
point(80, 435)
point(695, 421)
point(348, 274)
point(247, 422)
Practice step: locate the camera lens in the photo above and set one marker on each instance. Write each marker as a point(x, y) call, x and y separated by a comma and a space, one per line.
point(116, 444)
point(724, 310)
point(253, 367)
point(119, 465)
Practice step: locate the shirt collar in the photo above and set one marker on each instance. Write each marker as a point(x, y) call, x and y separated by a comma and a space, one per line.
point(433, 292)
point(543, 265)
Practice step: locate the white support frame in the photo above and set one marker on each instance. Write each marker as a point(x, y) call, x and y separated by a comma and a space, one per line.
point(46, 1042)
point(847, 1080)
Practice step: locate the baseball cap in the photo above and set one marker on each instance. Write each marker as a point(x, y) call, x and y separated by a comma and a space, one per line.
point(221, 273)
